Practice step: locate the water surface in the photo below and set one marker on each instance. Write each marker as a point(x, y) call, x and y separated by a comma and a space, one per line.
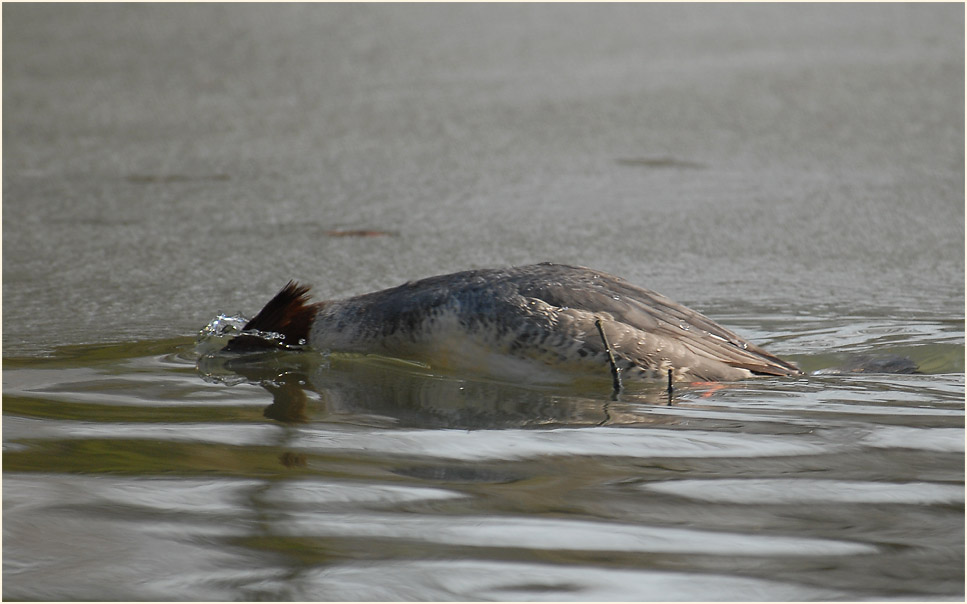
point(143, 471)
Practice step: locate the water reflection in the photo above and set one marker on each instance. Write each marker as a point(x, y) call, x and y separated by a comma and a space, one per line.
point(813, 488)
point(382, 392)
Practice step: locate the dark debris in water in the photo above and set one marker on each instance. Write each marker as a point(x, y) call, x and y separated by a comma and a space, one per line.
point(660, 162)
point(358, 233)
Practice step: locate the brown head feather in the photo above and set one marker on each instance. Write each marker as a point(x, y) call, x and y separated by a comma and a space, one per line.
point(288, 313)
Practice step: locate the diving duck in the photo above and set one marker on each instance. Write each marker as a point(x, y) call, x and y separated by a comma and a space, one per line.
point(542, 323)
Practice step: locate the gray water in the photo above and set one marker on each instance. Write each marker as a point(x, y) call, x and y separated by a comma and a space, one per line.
point(796, 172)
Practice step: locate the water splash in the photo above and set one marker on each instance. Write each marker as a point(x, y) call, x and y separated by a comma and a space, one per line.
point(215, 335)
point(223, 328)
point(210, 340)
point(215, 367)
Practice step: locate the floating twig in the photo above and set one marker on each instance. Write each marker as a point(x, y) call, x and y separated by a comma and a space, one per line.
point(671, 388)
point(615, 375)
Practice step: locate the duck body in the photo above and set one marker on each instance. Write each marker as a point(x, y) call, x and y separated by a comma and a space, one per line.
point(541, 323)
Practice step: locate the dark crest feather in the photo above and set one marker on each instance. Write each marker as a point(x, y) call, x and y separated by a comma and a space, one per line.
point(288, 313)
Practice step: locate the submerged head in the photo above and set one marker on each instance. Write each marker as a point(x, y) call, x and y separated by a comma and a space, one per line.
point(283, 323)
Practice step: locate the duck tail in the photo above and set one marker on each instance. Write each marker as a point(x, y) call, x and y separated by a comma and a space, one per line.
point(769, 365)
point(283, 323)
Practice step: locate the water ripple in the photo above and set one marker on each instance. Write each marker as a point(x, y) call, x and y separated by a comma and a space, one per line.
point(562, 534)
point(767, 491)
point(602, 441)
point(502, 581)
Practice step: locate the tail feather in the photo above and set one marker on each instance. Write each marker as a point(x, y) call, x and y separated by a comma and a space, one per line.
point(288, 314)
point(771, 366)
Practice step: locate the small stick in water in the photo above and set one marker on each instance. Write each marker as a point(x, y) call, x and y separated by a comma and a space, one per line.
point(615, 376)
point(671, 389)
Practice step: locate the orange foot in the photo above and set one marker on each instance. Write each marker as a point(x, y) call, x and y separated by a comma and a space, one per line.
point(712, 387)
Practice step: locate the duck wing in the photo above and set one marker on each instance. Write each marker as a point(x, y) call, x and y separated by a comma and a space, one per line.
point(646, 327)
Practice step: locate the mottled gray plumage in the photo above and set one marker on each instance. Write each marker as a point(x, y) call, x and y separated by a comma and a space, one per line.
point(537, 323)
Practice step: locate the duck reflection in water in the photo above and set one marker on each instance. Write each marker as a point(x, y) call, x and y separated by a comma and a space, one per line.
point(376, 391)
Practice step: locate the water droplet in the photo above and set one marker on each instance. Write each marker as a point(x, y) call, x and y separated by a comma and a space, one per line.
point(684, 325)
point(223, 325)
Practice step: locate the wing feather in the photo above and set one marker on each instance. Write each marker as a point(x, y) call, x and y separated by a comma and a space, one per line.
point(649, 312)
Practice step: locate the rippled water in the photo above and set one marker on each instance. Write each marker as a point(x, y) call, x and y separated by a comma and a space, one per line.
point(143, 470)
